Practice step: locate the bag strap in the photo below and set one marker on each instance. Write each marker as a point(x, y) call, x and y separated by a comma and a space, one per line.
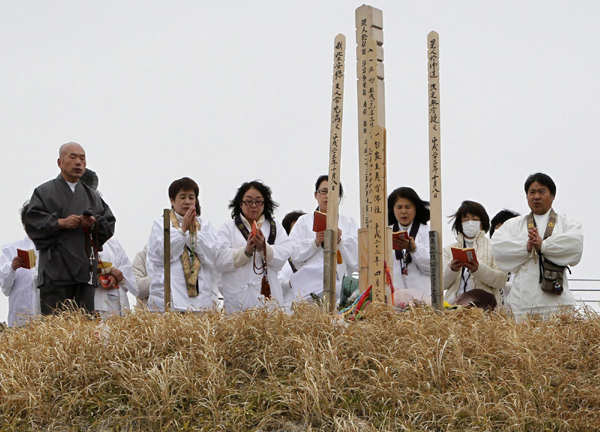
point(549, 229)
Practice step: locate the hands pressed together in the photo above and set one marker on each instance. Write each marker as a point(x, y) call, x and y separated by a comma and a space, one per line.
point(256, 242)
point(534, 240)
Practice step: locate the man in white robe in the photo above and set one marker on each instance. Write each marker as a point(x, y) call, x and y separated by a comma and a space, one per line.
point(517, 248)
point(18, 283)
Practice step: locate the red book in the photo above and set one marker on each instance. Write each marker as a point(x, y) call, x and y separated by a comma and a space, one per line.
point(28, 256)
point(255, 227)
point(398, 235)
point(466, 255)
point(320, 223)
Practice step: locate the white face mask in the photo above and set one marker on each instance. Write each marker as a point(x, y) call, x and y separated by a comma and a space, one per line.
point(471, 228)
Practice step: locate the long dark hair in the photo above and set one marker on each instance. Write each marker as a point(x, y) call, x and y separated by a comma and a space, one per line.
point(236, 203)
point(473, 208)
point(421, 206)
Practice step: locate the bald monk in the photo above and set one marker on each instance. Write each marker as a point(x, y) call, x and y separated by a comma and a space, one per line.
point(69, 223)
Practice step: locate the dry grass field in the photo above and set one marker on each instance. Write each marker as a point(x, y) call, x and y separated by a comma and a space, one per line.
point(259, 371)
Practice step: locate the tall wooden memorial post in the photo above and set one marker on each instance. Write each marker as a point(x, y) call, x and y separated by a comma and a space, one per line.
point(371, 114)
point(333, 194)
point(435, 172)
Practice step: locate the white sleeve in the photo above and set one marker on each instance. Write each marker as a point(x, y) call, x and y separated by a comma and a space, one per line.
point(156, 249)
point(282, 249)
point(509, 247)
point(7, 274)
point(224, 261)
point(449, 274)
point(422, 256)
point(129, 282)
point(207, 246)
point(348, 247)
point(303, 240)
point(565, 248)
point(141, 275)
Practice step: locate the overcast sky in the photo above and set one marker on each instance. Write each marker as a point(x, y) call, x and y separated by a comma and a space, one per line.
point(231, 91)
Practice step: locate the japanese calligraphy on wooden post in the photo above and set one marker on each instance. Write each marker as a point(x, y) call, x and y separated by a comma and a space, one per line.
point(333, 195)
point(377, 215)
point(369, 59)
point(435, 172)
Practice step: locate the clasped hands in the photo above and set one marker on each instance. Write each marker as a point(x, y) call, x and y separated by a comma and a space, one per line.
point(74, 221)
point(255, 242)
point(320, 237)
point(534, 240)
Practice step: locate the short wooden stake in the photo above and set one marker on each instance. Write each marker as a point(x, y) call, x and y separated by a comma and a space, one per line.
point(167, 258)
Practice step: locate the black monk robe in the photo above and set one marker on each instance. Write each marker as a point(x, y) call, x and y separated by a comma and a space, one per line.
point(64, 253)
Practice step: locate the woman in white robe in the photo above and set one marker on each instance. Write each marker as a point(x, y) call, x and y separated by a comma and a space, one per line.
point(194, 247)
point(308, 248)
point(484, 277)
point(109, 300)
point(408, 212)
point(19, 284)
point(250, 263)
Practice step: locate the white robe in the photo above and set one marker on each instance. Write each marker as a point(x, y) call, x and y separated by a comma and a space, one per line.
point(240, 286)
point(206, 250)
point(284, 278)
point(115, 301)
point(308, 257)
point(140, 266)
point(419, 270)
point(19, 286)
point(563, 247)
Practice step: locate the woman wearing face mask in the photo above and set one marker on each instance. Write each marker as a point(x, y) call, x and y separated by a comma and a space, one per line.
point(407, 212)
point(471, 222)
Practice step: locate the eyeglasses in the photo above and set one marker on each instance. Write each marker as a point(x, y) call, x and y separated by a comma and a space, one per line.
point(251, 203)
point(322, 191)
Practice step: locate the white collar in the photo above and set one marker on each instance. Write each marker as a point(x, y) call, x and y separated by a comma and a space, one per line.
point(248, 225)
point(72, 185)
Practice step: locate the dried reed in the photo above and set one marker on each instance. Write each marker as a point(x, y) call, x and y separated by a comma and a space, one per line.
point(259, 370)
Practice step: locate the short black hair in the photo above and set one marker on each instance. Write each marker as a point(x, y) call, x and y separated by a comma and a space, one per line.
point(185, 184)
point(90, 179)
point(236, 203)
point(324, 177)
point(422, 207)
point(23, 211)
point(501, 217)
point(543, 179)
point(290, 218)
point(475, 209)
